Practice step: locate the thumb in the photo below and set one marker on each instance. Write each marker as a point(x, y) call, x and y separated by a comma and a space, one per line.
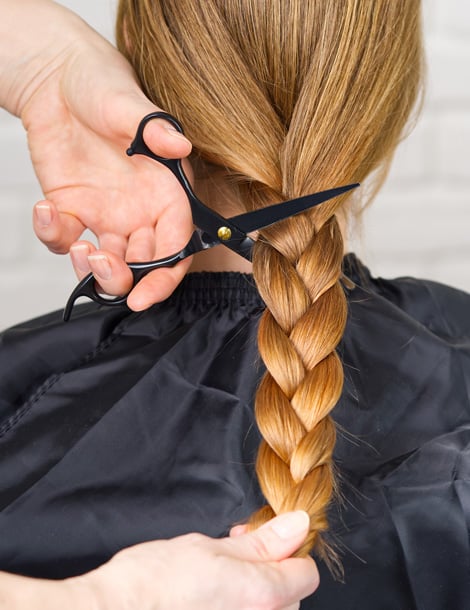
point(273, 541)
point(159, 135)
point(164, 140)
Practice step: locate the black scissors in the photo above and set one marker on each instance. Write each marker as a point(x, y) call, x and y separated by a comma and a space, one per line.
point(211, 229)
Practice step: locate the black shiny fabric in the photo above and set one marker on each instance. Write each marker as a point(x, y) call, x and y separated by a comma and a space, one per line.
point(120, 427)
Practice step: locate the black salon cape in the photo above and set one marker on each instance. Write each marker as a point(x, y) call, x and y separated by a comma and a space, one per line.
point(118, 427)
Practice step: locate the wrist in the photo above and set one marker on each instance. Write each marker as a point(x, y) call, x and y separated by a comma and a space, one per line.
point(121, 584)
point(23, 593)
point(36, 38)
point(99, 590)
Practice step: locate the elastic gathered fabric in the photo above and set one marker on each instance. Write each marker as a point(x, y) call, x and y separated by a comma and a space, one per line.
point(118, 428)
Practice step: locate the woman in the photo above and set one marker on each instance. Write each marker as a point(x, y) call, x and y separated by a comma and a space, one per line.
point(154, 411)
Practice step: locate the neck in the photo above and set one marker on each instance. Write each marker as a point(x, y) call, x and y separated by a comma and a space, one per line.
point(220, 258)
point(216, 194)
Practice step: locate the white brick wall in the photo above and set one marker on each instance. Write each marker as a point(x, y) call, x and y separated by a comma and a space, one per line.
point(419, 224)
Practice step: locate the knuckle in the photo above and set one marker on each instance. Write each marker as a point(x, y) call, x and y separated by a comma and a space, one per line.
point(260, 547)
point(53, 242)
point(265, 590)
point(56, 247)
point(194, 539)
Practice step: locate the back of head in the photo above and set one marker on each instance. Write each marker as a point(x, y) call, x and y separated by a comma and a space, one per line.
point(285, 98)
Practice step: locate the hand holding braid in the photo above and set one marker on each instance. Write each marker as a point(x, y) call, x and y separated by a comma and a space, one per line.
point(298, 334)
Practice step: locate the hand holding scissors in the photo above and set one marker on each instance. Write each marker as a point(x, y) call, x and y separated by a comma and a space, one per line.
point(211, 229)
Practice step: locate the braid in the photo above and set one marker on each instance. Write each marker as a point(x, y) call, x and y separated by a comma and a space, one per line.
point(297, 338)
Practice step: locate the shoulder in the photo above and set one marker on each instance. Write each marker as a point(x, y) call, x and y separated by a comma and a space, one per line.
point(35, 350)
point(443, 310)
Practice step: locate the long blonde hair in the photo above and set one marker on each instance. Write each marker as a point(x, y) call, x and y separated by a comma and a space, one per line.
point(287, 97)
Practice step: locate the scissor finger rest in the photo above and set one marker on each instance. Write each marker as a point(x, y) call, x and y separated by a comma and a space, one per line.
point(88, 286)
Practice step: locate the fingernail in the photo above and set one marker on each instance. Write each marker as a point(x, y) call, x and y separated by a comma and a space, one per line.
point(290, 525)
point(174, 132)
point(43, 214)
point(79, 254)
point(100, 266)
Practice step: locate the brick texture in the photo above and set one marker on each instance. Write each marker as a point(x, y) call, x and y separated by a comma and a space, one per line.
point(418, 225)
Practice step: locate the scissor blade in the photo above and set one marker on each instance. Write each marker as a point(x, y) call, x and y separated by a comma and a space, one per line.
point(259, 219)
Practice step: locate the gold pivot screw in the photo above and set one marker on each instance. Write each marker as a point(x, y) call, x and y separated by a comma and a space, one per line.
point(224, 233)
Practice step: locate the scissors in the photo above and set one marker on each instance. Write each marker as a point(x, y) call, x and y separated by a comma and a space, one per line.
point(211, 229)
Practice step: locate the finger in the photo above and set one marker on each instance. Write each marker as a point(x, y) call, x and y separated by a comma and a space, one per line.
point(287, 582)
point(159, 135)
point(111, 272)
point(174, 227)
point(114, 243)
point(79, 252)
point(238, 530)
point(57, 231)
point(157, 286)
point(164, 140)
point(173, 231)
point(273, 541)
point(141, 245)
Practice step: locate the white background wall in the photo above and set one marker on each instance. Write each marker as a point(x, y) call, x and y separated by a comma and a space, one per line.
point(419, 224)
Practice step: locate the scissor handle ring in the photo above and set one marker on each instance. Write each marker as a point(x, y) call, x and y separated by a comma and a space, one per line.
point(159, 114)
point(138, 145)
